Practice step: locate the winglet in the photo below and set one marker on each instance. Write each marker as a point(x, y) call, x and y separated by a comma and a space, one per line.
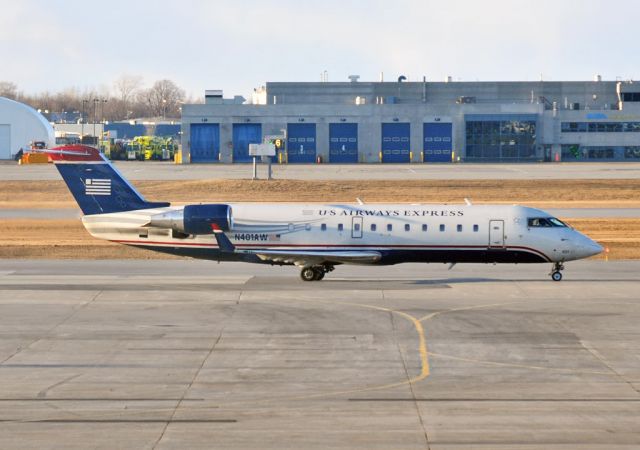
point(223, 241)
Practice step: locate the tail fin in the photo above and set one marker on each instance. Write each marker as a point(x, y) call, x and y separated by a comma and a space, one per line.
point(95, 183)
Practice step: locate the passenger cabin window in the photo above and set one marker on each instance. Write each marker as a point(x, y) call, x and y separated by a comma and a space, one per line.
point(373, 227)
point(545, 222)
point(307, 227)
point(459, 227)
point(340, 227)
point(323, 227)
point(407, 227)
point(424, 227)
point(356, 227)
point(442, 227)
point(476, 228)
point(389, 227)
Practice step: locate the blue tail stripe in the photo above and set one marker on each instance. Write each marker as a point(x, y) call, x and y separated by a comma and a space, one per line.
point(100, 189)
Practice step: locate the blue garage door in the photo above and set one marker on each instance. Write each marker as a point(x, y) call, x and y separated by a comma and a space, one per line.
point(205, 142)
point(343, 142)
point(243, 135)
point(396, 142)
point(301, 142)
point(437, 142)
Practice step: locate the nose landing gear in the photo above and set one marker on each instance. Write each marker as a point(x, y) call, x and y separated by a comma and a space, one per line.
point(556, 274)
point(315, 273)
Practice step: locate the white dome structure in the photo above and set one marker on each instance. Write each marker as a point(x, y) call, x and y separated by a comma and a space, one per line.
point(20, 124)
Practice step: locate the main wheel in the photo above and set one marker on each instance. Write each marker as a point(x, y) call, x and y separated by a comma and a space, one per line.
point(319, 274)
point(308, 274)
point(556, 276)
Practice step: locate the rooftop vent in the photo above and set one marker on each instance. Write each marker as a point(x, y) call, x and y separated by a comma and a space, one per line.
point(354, 78)
point(213, 93)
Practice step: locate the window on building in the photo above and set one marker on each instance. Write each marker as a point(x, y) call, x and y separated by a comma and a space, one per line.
point(632, 152)
point(441, 227)
point(424, 227)
point(340, 227)
point(631, 96)
point(501, 139)
point(407, 227)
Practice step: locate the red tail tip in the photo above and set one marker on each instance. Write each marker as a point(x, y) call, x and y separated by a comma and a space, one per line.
point(75, 152)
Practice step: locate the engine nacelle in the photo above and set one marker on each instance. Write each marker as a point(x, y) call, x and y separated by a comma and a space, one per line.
point(195, 219)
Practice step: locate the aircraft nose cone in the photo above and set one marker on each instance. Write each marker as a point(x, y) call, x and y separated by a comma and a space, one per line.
point(594, 248)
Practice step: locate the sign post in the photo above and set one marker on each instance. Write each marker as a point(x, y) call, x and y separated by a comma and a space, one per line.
point(265, 151)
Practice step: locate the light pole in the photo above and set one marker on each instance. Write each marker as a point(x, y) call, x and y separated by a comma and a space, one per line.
point(95, 106)
point(104, 100)
point(82, 119)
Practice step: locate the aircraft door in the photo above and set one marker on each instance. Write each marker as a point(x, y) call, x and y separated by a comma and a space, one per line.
point(356, 227)
point(496, 234)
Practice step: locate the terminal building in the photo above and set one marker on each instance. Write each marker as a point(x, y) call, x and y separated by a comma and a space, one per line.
point(420, 122)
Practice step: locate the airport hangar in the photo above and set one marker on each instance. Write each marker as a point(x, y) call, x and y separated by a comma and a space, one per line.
point(20, 125)
point(429, 122)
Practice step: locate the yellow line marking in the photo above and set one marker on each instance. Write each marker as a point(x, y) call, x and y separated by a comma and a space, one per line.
point(422, 349)
point(422, 346)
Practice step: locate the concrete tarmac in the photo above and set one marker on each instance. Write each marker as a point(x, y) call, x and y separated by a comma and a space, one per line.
point(193, 354)
point(136, 170)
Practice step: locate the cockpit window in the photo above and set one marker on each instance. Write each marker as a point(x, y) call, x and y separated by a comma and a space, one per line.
point(545, 222)
point(557, 222)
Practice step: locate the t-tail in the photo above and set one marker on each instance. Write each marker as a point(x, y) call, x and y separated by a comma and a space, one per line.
point(95, 183)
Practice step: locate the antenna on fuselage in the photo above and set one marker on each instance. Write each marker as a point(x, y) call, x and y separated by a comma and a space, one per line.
point(468, 202)
point(360, 202)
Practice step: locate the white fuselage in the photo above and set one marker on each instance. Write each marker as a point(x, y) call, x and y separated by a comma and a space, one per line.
point(400, 232)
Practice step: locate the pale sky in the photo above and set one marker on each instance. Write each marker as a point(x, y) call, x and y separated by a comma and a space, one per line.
point(239, 45)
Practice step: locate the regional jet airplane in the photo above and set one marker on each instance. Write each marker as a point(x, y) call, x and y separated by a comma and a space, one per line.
point(315, 237)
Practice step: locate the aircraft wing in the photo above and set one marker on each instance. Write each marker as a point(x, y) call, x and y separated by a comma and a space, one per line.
point(307, 258)
point(298, 257)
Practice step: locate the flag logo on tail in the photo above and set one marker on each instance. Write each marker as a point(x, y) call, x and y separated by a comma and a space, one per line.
point(97, 186)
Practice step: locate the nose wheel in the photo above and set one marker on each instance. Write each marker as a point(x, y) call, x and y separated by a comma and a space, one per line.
point(556, 272)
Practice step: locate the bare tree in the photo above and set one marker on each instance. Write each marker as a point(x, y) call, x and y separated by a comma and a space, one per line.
point(8, 90)
point(164, 98)
point(126, 88)
point(126, 100)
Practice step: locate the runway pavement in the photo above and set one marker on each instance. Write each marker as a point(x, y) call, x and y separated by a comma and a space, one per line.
point(192, 354)
point(135, 170)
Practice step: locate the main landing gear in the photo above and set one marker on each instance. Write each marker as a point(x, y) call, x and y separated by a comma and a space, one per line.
point(556, 274)
point(315, 273)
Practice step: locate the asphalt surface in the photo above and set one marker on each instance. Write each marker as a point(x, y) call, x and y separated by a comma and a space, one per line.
point(191, 354)
point(135, 170)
